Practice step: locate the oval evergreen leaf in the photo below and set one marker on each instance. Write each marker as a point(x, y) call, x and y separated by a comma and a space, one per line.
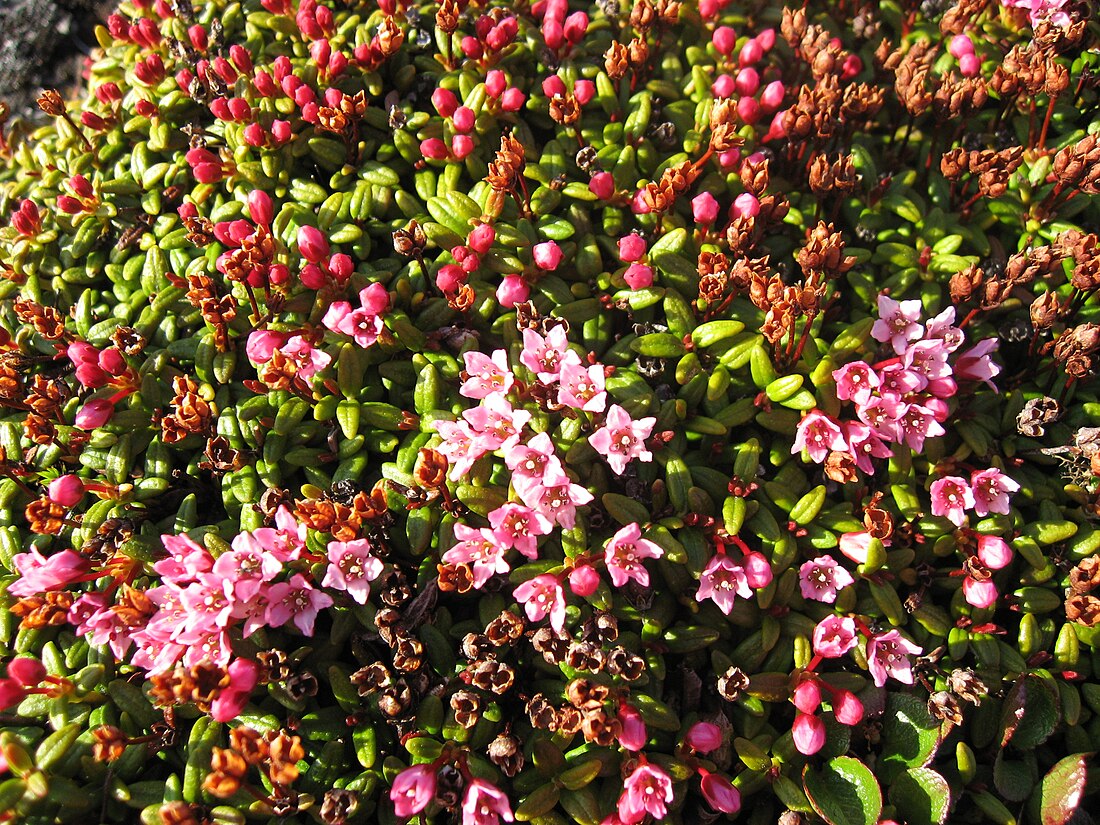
point(844, 792)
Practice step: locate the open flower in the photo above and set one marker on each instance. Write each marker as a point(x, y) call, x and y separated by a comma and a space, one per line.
point(624, 553)
point(888, 655)
point(821, 578)
point(543, 596)
point(622, 439)
point(647, 790)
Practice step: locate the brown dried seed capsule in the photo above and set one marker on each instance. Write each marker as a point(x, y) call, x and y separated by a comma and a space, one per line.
point(249, 743)
point(337, 805)
point(967, 685)
point(507, 754)
point(505, 629)
point(542, 714)
point(227, 772)
point(732, 683)
point(467, 707)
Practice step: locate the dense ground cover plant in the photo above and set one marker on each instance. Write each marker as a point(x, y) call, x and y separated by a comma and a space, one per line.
point(598, 413)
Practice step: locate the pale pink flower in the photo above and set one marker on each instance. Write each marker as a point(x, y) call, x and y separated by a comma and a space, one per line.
point(918, 423)
point(632, 732)
point(624, 553)
point(515, 525)
point(553, 496)
point(898, 323)
point(39, 573)
point(208, 602)
point(495, 424)
point(899, 381)
point(808, 732)
point(992, 489)
point(855, 382)
point(719, 792)
point(864, 445)
point(888, 655)
point(976, 364)
point(252, 612)
point(942, 327)
point(951, 497)
point(352, 567)
point(622, 439)
point(928, 358)
point(721, 581)
point(364, 324)
point(582, 387)
point(817, 433)
point(460, 446)
point(246, 566)
point(543, 596)
point(544, 355)
point(296, 600)
point(883, 415)
point(647, 790)
point(485, 804)
point(305, 356)
point(286, 540)
point(262, 343)
point(994, 554)
point(855, 546)
point(487, 374)
point(479, 548)
point(185, 561)
point(534, 459)
point(821, 578)
point(413, 789)
point(834, 636)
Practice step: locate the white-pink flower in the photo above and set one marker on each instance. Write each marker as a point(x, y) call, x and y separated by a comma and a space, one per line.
point(544, 356)
point(296, 600)
point(543, 596)
point(722, 580)
point(622, 439)
point(888, 655)
point(582, 387)
point(485, 804)
point(479, 548)
point(817, 433)
point(624, 553)
point(821, 578)
point(486, 374)
point(992, 489)
point(352, 567)
point(951, 497)
point(855, 381)
point(648, 790)
point(834, 636)
point(898, 322)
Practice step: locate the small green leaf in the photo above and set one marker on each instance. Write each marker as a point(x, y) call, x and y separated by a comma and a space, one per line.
point(923, 795)
point(844, 792)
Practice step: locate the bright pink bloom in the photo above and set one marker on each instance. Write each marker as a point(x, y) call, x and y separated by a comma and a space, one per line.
point(758, 570)
point(481, 238)
point(243, 675)
point(39, 573)
point(632, 734)
point(582, 388)
point(602, 185)
point(496, 425)
point(296, 600)
point(533, 460)
point(834, 636)
point(543, 596)
point(807, 696)
point(745, 205)
point(960, 44)
point(555, 496)
point(480, 548)
point(992, 490)
point(864, 444)
point(719, 792)
point(918, 423)
point(624, 553)
point(855, 382)
point(703, 737)
point(515, 525)
point(485, 804)
point(622, 439)
point(487, 374)
point(638, 276)
point(817, 433)
point(847, 708)
point(312, 244)
point(66, 490)
point(821, 578)
point(898, 323)
point(647, 790)
point(413, 789)
point(888, 655)
point(994, 554)
point(951, 497)
point(724, 39)
point(721, 581)
point(809, 733)
point(308, 359)
point(545, 356)
point(352, 567)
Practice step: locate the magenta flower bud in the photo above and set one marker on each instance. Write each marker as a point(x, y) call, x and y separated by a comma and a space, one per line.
point(708, 9)
point(720, 793)
point(729, 158)
point(495, 83)
point(219, 107)
point(584, 580)
point(281, 131)
point(26, 671)
point(547, 255)
point(723, 87)
point(638, 276)
point(960, 44)
point(312, 244)
point(241, 58)
point(704, 208)
point(66, 490)
point(91, 375)
point(632, 735)
point(703, 737)
point(553, 85)
point(809, 734)
point(481, 238)
point(321, 51)
point(772, 96)
point(260, 208)
point(243, 675)
point(81, 186)
point(638, 204)
point(745, 204)
point(512, 100)
point(602, 185)
point(340, 266)
point(724, 40)
point(197, 35)
point(462, 146)
point(631, 247)
point(584, 91)
point(575, 27)
point(498, 37)
point(748, 81)
point(254, 135)
point(108, 93)
point(748, 110)
point(970, 65)
point(69, 204)
point(750, 53)
point(312, 277)
point(264, 83)
point(11, 693)
point(766, 39)
point(847, 709)
point(434, 149)
point(807, 696)
point(471, 47)
point(512, 290)
point(224, 69)
point(553, 34)
point(239, 109)
point(277, 275)
point(851, 67)
point(449, 278)
point(283, 68)
point(112, 361)
point(464, 118)
point(94, 413)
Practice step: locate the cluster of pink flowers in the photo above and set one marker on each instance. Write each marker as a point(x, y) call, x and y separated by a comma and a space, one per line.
point(987, 492)
point(724, 579)
point(308, 360)
point(903, 399)
point(26, 219)
point(1040, 10)
point(82, 199)
point(460, 122)
point(747, 82)
point(483, 803)
point(363, 324)
point(808, 730)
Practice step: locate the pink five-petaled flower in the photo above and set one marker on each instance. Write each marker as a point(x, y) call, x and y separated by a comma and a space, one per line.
point(855, 382)
point(554, 496)
point(296, 600)
point(808, 732)
point(515, 525)
point(308, 359)
point(834, 636)
point(624, 553)
point(976, 364)
point(951, 497)
point(721, 580)
point(888, 655)
point(486, 374)
point(647, 790)
point(622, 439)
point(821, 578)
point(898, 322)
point(991, 489)
point(413, 789)
point(479, 548)
point(719, 792)
point(582, 387)
point(543, 596)
point(993, 554)
point(545, 356)
point(39, 573)
point(364, 324)
point(817, 433)
point(485, 804)
point(352, 568)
